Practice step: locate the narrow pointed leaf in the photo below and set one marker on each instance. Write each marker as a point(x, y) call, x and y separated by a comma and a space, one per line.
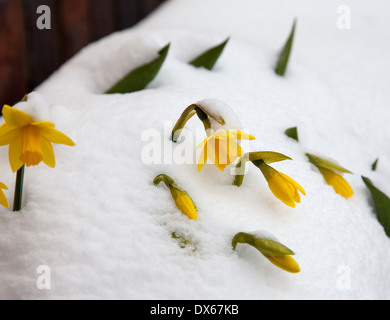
point(292, 133)
point(209, 58)
point(375, 165)
point(284, 57)
point(139, 78)
point(267, 156)
point(382, 205)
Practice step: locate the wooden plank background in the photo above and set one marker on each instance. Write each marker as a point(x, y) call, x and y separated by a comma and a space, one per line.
point(29, 55)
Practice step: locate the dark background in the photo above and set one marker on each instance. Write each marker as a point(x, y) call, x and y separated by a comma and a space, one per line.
point(29, 55)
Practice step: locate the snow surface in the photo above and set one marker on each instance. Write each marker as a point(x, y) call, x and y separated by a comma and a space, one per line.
point(105, 230)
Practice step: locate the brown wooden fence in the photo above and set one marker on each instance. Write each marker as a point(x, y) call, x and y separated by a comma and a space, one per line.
point(29, 55)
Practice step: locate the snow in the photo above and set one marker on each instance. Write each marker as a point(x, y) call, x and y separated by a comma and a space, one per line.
point(104, 230)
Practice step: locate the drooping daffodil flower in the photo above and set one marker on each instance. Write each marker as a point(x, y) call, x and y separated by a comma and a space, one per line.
point(269, 247)
point(282, 186)
point(222, 148)
point(182, 200)
point(331, 172)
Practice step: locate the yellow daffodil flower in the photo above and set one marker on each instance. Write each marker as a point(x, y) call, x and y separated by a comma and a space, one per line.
point(182, 200)
point(29, 141)
point(331, 171)
point(339, 184)
point(282, 186)
point(273, 250)
point(3, 198)
point(222, 148)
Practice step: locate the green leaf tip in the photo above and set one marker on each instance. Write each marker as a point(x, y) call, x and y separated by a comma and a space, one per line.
point(382, 205)
point(284, 56)
point(292, 133)
point(375, 165)
point(140, 77)
point(209, 58)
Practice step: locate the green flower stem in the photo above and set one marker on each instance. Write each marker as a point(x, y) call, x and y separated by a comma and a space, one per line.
point(19, 189)
point(188, 113)
point(257, 158)
point(204, 118)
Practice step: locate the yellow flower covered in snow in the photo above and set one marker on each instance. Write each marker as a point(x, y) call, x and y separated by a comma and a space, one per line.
point(3, 198)
point(282, 186)
point(222, 148)
point(29, 141)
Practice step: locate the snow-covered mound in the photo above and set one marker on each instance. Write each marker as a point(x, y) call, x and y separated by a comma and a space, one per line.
point(105, 231)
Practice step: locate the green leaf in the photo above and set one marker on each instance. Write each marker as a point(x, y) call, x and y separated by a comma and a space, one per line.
point(292, 133)
point(375, 165)
point(285, 54)
point(327, 164)
point(382, 205)
point(209, 58)
point(139, 78)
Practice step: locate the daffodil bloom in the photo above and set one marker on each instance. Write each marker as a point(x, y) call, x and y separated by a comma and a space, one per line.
point(272, 249)
point(182, 200)
point(282, 186)
point(30, 142)
point(339, 184)
point(222, 148)
point(3, 198)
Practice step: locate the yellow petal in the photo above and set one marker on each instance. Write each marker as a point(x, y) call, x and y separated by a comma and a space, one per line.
point(239, 135)
point(3, 186)
point(202, 159)
point(15, 117)
point(286, 263)
point(44, 124)
point(8, 134)
point(55, 136)
point(293, 182)
point(14, 151)
point(3, 199)
point(282, 190)
point(48, 153)
point(218, 154)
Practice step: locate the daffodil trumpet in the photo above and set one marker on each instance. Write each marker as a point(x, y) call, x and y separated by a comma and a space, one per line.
point(277, 253)
point(331, 172)
point(182, 200)
point(203, 115)
point(260, 156)
point(30, 143)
